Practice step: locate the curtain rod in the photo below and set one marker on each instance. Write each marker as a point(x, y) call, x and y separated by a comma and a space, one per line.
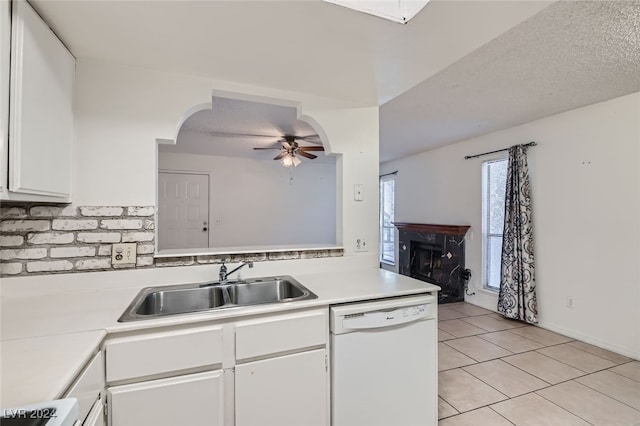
point(497, 150)
point(389, 174)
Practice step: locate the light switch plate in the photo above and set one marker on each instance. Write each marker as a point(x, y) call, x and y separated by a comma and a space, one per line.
point(123, 254)
point(358, 192)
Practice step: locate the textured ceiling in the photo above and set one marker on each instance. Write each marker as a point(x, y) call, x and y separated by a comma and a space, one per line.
point(226, 130)
point(569, 55)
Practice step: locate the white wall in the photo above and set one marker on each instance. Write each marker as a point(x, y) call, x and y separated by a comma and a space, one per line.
point(255, 203)
point(121, 111)
point(585, 177)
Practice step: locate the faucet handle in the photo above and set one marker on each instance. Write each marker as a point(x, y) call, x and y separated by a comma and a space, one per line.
point(222, 274)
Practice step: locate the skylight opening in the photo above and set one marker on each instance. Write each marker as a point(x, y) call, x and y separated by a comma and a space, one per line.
point(400, 11)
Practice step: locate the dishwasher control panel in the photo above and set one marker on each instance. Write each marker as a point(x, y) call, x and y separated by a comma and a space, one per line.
point(387, 313)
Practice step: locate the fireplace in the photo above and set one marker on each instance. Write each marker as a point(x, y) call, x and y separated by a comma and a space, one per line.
point(426, 262)
point(434, 254)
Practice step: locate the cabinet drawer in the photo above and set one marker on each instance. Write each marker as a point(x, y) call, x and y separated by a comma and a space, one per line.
point(88, 386)
point(164, 352)
point(256, 338)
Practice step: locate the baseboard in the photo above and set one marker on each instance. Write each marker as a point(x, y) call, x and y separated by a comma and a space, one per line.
point(628, 352)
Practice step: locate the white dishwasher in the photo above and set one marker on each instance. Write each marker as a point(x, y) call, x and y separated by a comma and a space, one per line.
point(384, 363)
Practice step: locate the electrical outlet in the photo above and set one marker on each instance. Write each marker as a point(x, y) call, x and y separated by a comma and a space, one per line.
point(570, 302)
point(361, 244)
point(123, 254)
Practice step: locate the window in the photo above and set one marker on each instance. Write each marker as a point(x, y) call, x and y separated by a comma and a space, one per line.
point(494, 181)
point(387, 230)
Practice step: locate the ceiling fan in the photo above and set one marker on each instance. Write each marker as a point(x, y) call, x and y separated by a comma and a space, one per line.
point(289, 149)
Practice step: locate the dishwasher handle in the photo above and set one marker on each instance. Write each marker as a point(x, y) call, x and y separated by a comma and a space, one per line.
point(379, 319)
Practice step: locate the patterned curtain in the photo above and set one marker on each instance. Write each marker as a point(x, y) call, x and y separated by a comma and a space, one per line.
point(517, 299)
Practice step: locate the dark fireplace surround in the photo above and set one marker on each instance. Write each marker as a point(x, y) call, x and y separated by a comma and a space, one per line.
point(434, 254)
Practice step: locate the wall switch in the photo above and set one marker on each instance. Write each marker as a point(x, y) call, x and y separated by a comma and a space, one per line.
point(570, 302)
point(123, 254)
point(358, 192)
point(361, 244)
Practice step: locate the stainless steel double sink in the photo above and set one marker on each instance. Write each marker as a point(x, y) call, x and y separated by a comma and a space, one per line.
point(154, 302)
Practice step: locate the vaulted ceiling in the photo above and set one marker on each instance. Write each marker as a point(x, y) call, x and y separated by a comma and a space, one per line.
point(457, 70)
point(571, 54)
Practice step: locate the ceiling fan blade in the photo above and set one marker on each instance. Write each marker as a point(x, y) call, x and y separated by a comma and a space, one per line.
point(306, 154)
point(279, 156)
point(310, 148)
point(304, 138)
point(277, 147)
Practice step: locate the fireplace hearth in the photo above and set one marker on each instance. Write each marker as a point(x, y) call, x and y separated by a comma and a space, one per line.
point(434, 254)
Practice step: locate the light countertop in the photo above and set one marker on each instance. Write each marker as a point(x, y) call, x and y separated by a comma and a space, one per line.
point(47, 338)
point(39, 369)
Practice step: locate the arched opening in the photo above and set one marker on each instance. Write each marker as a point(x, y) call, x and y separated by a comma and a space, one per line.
point(244, 176)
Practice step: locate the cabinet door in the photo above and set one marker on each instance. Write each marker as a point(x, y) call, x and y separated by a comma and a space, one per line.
point(5, 49)
point(96, 415)
point(290, 390)
point(41, 119)
point(194, 399)
point(88, 386)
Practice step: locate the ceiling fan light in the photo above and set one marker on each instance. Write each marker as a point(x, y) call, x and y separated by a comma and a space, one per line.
point(288, 160)
point(296, 161)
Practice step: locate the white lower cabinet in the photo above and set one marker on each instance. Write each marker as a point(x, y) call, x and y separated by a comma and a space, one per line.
point(288, 390)
point(96, 415)
point(88, 386)
point(266, 370)
point(193, 399)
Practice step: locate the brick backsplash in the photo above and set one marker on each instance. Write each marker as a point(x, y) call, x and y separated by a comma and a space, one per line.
point(44, 239)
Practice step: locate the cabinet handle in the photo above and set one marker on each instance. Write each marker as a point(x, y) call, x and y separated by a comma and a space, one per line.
point(205, 228)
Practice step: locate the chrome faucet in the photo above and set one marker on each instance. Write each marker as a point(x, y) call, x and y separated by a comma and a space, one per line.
point(224, 275)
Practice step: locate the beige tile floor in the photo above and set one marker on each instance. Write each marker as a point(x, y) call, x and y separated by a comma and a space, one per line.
point(494, 371)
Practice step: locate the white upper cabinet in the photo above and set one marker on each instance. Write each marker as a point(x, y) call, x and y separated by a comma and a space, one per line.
point(5, 55)
point(41, 110)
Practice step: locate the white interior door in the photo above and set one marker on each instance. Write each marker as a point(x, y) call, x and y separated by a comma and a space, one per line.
point(183, 210)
